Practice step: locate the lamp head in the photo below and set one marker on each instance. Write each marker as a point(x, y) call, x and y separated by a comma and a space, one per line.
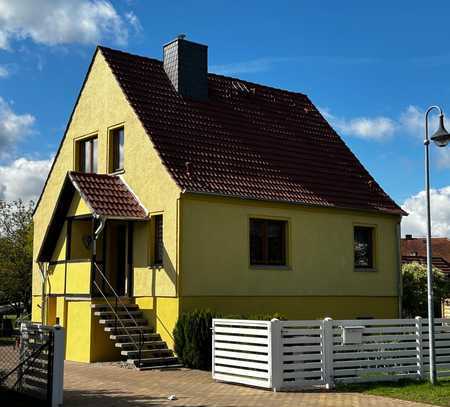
point(441, 137)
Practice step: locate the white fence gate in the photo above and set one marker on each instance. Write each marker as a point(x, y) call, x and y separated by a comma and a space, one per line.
point(300, 354)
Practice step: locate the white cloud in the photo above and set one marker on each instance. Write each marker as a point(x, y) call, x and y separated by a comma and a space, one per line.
point(4, 72)
point(53, 22)
point(411, 121)
point(415, 223)
point(133, 20)
point(252, 66)
point(12, 126)
point(443, 159)
point(369, 128)
point(23, 178)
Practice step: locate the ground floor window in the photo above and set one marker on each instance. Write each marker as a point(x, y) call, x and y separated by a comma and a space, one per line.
point(267, 242)
point(363, 247)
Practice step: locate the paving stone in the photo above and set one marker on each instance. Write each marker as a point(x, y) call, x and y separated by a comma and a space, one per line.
point(108, 385)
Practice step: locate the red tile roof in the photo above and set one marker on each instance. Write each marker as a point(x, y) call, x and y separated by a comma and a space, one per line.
point(107, 195)
point(418, 246)
point(437, 262)
point(264, 143)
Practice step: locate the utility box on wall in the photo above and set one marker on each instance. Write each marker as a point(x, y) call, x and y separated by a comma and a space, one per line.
point(352, 334)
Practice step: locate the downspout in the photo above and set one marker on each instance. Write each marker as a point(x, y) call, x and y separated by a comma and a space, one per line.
point(95, 236)
point(41, 266)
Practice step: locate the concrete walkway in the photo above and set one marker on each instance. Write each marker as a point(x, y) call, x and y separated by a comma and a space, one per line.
point(104, 385)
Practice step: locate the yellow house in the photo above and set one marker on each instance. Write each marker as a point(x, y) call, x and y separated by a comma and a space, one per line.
point(174, 189)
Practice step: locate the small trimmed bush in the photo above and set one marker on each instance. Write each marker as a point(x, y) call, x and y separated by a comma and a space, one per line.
point(193, 336)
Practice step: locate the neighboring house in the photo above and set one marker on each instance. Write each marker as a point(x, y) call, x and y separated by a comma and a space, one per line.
point(190, 190)
point(414, 250)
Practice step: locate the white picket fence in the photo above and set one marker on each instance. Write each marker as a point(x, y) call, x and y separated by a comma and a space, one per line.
point(301, 354)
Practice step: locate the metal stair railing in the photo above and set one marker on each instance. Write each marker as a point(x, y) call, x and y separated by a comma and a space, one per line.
point(116, 316)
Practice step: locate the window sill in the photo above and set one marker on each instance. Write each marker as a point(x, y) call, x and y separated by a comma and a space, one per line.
point(269, 267)
point(118, 172)
point(365, 270)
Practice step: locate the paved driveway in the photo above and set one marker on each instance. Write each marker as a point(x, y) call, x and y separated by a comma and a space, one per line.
point(103, 385)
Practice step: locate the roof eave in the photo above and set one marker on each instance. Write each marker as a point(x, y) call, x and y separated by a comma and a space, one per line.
point(399, 212)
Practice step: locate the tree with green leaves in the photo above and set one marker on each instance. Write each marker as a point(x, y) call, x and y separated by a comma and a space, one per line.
point(414, 301)
point(16, 254)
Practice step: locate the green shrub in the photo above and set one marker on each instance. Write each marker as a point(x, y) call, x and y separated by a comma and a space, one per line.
point(193, 336)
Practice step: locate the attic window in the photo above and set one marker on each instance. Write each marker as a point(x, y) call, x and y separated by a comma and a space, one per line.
point(117, 150)
point(87, 155)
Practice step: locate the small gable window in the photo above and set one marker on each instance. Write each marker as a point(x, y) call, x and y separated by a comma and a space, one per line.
point(117, 150)
point(267, 242)
point(87, 155)
point(363, 247)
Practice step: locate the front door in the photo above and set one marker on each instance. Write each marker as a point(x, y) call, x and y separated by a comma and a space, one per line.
point(121, 257)
point(116, 258)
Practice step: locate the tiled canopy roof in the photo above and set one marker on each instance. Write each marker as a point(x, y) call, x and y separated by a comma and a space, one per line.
point(107, 195)
point(246, 140)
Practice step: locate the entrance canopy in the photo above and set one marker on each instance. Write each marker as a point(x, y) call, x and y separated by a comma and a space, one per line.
point(106, 196)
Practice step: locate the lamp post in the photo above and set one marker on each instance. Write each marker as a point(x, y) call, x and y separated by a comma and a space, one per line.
point(441, 138)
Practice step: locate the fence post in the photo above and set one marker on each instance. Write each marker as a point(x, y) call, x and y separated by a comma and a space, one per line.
point(58, 366)
point(419, 346)
point(275, 353)
point(327, 349)
point(213, 348)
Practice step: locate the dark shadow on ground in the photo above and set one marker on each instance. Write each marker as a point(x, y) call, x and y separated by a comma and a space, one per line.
point(13, 399)
point(106, 398)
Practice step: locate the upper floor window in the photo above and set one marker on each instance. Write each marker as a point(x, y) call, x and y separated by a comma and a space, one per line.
point(87, 155)
point(363, 247)
point(117, 143)
point(267, 242)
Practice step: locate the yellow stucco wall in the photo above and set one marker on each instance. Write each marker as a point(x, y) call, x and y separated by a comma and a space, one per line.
point(290, 307)
point(215, 254)
point(162, 314)
point(78, 207)
point(446, 308)
point(78, 331)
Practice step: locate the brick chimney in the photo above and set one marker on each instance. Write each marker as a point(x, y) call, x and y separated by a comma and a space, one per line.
point(186, 65)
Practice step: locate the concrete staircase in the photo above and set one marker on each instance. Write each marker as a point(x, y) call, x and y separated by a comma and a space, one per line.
point(154, 352)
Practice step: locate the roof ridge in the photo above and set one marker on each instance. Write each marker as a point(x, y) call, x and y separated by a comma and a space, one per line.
point(212, 74)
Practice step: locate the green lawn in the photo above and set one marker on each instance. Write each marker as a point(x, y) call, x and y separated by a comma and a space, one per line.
point(406, 390)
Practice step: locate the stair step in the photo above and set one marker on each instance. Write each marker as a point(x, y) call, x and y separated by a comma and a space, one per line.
point(147, 362)
point(143, 328)
point(146, 344)
point(125, 338)
point(156, 367)
point(39, 373)
point(107, 307)
point(119, 313)
point(125, 322)
point(147, 352)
